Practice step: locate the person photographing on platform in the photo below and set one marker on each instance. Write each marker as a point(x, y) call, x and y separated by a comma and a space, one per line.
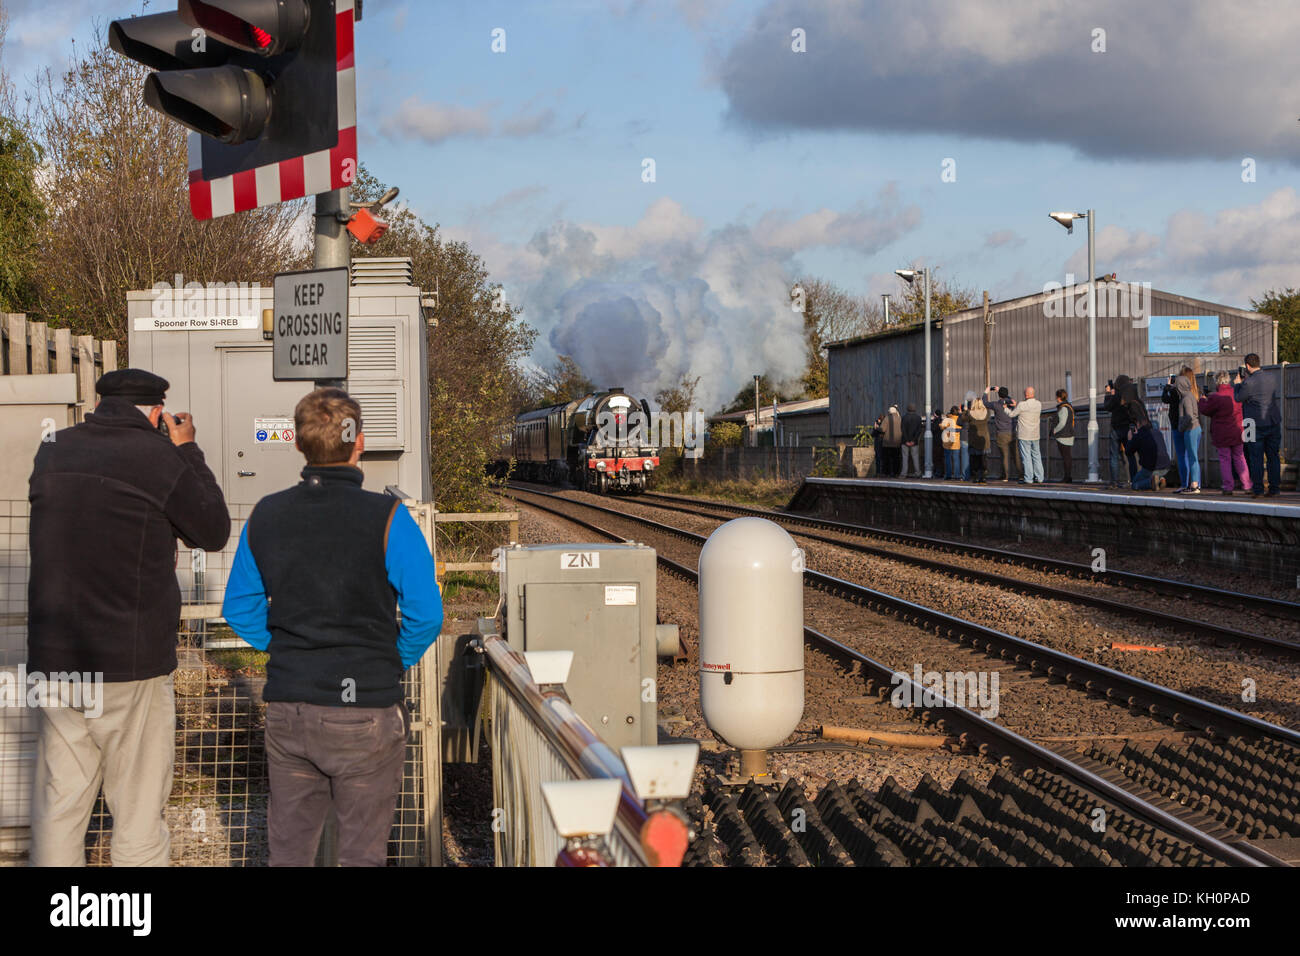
point(1028, 415)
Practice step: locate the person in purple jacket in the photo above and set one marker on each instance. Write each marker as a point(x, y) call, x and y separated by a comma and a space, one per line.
point(1224, 413)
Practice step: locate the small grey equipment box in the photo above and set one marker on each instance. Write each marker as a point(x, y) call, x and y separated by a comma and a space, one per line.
point(597, 600)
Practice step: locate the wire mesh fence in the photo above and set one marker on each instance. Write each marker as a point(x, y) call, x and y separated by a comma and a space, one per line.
point(217, 811)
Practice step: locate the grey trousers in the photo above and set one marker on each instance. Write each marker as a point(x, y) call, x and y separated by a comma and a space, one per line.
point(346, 757)
point(912, 455)
point(129, 748)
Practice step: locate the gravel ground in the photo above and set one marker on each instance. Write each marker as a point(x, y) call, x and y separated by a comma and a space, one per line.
point(1197, 667)
point(1189, 606)
point(830, 696)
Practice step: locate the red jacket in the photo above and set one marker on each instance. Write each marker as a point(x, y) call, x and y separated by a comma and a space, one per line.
point(1224, 413)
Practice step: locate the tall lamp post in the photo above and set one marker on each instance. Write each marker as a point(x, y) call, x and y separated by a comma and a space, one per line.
point(909, 275)
point(886, 298)
point(1066, 219)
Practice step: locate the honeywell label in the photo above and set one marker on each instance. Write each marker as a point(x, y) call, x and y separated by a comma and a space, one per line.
point(620, 595)
point(579, 560)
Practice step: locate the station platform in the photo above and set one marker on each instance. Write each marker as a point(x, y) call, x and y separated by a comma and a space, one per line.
point(1209, 532)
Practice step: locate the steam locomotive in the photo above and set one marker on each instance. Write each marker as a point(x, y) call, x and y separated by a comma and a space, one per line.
point(600, 442)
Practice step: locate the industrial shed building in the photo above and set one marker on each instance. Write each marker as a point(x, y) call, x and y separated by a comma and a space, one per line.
point(1039, 340)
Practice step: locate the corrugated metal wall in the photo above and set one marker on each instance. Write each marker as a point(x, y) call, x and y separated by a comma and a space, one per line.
point(804, 429)
point(1029, 346)
point(866, 379)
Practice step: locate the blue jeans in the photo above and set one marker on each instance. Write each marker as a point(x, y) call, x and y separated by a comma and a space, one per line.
point(1268, 441)
point(1031, 460)
point(1142, 480)
point(952, 462)
point(965, 461)
point(1187, 453)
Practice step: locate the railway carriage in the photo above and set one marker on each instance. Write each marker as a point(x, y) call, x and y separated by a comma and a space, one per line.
point(601, 442)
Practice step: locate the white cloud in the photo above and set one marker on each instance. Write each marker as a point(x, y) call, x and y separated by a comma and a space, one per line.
point(434, 123)
point(641, 305)
point(1177, 79)
point(1233, 255)
point(864, 228)
point(1004, 237)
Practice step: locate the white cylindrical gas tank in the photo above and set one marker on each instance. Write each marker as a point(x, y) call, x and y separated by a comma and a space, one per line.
point(751, 633)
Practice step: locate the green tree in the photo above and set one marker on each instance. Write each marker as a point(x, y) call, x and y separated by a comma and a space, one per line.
point(475, 351)
point(725, 435)
point(1285, 307)
point(908, 308)
point(830, 314)
point(562, 382)
point(114, 176)
point(678, 398)
point(22, 215)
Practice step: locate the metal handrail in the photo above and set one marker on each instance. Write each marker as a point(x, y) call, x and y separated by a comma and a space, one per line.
point(571, 739)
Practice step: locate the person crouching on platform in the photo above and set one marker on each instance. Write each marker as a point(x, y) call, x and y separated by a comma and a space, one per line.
point(1148, 446)
point(320, 574)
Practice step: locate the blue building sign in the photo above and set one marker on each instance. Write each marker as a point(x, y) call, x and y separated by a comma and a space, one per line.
point(1183, 333)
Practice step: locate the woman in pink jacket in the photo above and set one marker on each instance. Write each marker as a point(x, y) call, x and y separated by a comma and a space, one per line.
point(1224, 413)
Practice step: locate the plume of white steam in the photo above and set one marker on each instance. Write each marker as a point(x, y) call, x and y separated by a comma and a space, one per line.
point(642, 306)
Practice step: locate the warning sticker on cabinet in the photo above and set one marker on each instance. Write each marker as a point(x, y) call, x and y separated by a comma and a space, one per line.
point(620, 594)
point(273, 431)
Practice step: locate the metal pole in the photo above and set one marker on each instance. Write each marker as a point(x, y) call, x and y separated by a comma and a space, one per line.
point(1094, 475)
point(332, 249)
point(754, 441)
point(886, 298)
point(988, 330)
point(929, 435)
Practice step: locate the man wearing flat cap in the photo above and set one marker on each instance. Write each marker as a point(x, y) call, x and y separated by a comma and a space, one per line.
point(109, 497)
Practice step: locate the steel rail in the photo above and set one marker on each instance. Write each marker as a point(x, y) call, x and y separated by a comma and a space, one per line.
point(1201, 629)
point(1259, 603)
point(1179, 707)
point(991, 737)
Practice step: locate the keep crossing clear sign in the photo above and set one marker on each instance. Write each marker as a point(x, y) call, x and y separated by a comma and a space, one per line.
point(311, 326)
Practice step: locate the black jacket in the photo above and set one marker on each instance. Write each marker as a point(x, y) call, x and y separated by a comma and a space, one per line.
point(109, 498)
point(321, 548)
point(1127, 410)
point(1148, 446)
point(1172, 399)
point(913, 428)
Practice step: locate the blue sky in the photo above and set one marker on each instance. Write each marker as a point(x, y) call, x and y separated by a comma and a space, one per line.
point(772, 163)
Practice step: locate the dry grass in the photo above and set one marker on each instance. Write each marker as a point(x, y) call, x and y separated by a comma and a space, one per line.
point(759, 492)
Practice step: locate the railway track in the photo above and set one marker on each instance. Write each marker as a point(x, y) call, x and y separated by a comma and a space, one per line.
point(1213, 777)
point(1202, 628)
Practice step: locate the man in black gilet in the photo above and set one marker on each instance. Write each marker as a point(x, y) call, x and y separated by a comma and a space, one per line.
point(321, 571)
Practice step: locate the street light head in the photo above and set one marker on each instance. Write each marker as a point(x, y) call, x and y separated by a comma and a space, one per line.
point(1066, 219)
point(906, 274)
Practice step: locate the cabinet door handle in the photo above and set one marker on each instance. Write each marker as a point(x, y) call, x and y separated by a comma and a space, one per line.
point(245, 474)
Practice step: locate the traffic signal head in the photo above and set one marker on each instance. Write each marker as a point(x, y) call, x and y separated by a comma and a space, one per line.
point(268, 86)
point(264, 27)
point(226, 103)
